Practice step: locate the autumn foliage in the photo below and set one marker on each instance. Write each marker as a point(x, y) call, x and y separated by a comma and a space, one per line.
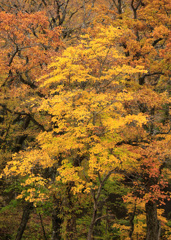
point(85, 116)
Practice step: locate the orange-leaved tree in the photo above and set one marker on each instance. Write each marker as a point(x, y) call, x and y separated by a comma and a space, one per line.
point(26, 45)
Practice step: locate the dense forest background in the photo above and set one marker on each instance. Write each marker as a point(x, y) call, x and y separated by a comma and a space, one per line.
point(85, 119)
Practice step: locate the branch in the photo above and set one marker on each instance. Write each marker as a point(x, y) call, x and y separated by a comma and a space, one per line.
point(64, 13)
point(99, 177)
point(135, 8)
point(24, 114)
point(142, 79)
point(13, 55)
point(105, 216)
point(44, 233)
point(37, 123)
point(44, 2)
point(31, 84)
point(102, 183)
point(156, 41)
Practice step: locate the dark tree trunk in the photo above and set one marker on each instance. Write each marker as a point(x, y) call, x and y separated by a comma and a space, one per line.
point(56, 224)
point(132, 216)
point(153, 224)
point(119, 7)
point(25, 217)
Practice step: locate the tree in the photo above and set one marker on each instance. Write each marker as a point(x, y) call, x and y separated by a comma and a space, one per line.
point(146, 38)
point(106, 119)
point(27, 45)
point(86, 108)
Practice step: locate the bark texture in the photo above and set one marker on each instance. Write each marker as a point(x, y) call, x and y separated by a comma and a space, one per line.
point(153, 224)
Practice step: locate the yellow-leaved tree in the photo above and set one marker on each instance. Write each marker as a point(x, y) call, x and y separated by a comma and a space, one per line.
point(85, 106)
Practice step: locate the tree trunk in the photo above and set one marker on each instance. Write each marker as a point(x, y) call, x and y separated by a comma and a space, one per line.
point(153, 225)
point(90, 232)
point(43, 229)
point(132, 216)
point(96, 203)
point(56, 225)
point(25, 217)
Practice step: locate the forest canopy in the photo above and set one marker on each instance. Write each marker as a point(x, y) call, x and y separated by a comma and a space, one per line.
point(85, 119)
